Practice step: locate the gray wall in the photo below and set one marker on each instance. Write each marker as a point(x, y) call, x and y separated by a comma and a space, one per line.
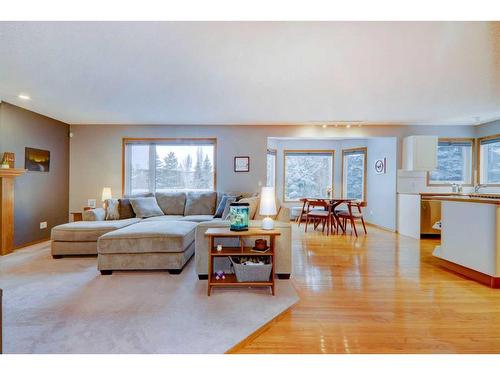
point(96, 151)
point(38, 196)
point(490, 128)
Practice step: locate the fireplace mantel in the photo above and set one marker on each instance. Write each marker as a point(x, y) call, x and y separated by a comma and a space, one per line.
point(7, 177)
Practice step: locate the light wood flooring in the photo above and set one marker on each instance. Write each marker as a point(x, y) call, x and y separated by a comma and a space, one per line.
point(380, 293)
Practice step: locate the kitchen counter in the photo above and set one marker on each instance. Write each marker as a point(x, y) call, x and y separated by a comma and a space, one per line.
point(469, 198)
point(470, 224)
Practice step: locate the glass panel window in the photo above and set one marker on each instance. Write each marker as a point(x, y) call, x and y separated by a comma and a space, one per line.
point(353, 174)
point(308, 174)
point(169, 165)
point(489, 160)
point(454, 163)
point(271, 168)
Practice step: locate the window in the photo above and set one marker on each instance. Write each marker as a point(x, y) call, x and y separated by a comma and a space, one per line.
point(489, 160)
point(454, 162)
point(169, 164)
point(354, 174)
point(308, 174)
point(271, 168)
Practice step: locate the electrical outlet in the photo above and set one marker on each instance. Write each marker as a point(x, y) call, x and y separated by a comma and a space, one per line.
point(43, 225)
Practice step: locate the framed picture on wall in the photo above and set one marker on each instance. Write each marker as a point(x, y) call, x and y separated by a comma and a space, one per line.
point(380, 166)
point(36, 160)
point(242, 163)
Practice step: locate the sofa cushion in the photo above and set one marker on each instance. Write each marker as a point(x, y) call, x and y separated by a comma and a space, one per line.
point(200, 203)
point(112, 212)
point(88, 231)
point(95, 214)
point(239, 194)
point(253, 203)
point(197, 218)
point(146, 207)
point(149, 237)
point(223, 203)
point(225, 214)
point(125, 208)
point(172, 203)
point(164, 218)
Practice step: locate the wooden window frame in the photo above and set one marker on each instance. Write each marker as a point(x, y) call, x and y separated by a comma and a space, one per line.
point(478, 146)
point(289, 151)
point(473, 160)
point(125, 141)
point(274, 152)
point(365, 182)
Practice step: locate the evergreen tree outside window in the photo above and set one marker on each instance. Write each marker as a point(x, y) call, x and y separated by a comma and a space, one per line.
point(271, 168)
point(164, 165)
point(489, 160)
point(354, 174)
point(308, 174)
point(454, 163)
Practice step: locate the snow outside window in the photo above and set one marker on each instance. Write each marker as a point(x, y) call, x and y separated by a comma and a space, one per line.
point(308, 174)
point(157, 166)
point(354, 174)
point(454, 163)
point(271, 168)
point(489, 161)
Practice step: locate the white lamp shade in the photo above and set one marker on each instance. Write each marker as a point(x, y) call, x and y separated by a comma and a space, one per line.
point(267, 201)
point(106, 193)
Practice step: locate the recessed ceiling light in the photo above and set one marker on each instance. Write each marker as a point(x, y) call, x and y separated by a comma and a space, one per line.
point(24, 97)
point(324, 126)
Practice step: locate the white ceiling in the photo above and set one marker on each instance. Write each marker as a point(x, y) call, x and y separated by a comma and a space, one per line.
point(253, 73)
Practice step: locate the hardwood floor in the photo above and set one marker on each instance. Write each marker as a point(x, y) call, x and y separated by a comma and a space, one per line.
point(381, 293)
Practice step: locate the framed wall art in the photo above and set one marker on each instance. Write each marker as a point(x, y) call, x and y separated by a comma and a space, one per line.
point(242, 163)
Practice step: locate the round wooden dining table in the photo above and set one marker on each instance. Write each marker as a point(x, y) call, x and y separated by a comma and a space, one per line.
point(332, 204)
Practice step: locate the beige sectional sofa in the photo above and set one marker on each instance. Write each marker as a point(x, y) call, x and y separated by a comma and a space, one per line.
point(165, 241)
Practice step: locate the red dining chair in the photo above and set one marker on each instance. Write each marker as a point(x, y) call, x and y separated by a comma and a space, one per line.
point(318, 216)
point(303, 212)
point(352, 216)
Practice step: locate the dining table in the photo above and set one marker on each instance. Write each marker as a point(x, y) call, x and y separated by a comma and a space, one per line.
point(333, 203)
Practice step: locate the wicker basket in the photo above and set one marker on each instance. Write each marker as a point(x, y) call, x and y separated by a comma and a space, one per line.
point(251, 273)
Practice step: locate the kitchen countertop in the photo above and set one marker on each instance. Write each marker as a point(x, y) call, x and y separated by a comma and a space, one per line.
point(470, 198)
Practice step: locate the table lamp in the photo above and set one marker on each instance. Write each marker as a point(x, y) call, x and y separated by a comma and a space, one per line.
point(267, 207)
point(106, 194)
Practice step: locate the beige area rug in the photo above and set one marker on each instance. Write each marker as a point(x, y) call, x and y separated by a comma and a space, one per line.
point(66, 306)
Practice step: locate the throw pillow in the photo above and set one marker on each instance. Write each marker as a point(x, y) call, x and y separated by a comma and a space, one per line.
point(111, 209)
point(253, 203)
point(222, 205)
point(125, 209)
point(200, 203)
point(225, 213)
point(146, 207)
point(172, 202)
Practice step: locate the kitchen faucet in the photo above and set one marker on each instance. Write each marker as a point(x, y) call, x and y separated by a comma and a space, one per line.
point(477, 187)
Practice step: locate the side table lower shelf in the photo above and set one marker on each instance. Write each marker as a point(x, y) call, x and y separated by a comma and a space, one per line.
point(230, 279)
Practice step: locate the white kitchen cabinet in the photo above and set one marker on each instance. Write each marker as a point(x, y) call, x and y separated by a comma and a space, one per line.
point(420, 153)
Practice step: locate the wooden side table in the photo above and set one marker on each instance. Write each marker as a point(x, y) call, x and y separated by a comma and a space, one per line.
point(78, 215)
point(230, 280)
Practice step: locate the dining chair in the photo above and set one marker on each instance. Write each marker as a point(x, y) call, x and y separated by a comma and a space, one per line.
point(302, 212)
point(318, 216)
point(351, 215)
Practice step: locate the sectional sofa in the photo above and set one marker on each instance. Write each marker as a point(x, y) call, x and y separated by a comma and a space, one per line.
point(164, 241)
